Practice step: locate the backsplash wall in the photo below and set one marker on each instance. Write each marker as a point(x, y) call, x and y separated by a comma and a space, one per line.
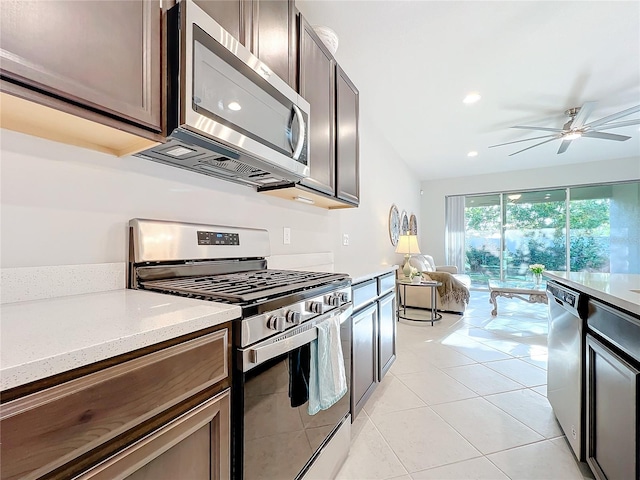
point(64, 205)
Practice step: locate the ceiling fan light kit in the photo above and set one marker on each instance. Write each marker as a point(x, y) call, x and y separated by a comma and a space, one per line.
point(577, 128)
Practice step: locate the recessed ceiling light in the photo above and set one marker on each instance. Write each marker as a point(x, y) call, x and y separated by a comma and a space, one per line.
point(472, 153)
point(471, 97)
point(235, 106)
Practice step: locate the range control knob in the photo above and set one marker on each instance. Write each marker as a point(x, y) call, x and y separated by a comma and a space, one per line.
point(293, 317)
point(333, 300)
point(314, 307)
point(343, 296)
point(276, 322)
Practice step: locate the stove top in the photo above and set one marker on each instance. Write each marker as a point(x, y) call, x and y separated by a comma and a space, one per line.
point(229, 265)
point(243, 287)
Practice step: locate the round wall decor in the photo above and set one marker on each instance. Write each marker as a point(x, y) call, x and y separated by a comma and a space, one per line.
point(394, 225)
point(404, 223)
point(413, 225)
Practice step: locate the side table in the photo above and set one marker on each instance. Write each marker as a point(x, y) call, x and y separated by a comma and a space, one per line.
point(435, 316)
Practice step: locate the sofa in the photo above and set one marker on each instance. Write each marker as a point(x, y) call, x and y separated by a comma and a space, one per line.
point(452, 296)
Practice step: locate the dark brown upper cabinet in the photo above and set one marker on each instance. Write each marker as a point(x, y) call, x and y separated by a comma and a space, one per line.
point(317, 86)
point(347, 139)
point(232, 15)
point(274, 37)
point(334, 176)
point(266, 27)
point(103, 55)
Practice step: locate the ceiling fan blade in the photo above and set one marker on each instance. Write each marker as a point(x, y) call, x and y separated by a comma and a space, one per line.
point(606, 136)
point(615, 116)
point(541, 143)
point(626, 123)
point(564, 145)
point(544, 129)
point(523, 140)
point(583, 114)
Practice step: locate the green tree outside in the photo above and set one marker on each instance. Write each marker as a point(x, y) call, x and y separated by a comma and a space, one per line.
point(588, 242)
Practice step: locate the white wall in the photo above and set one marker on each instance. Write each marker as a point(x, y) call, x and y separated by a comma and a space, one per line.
point(64, 205)
point(384, 180)
point(432, 218)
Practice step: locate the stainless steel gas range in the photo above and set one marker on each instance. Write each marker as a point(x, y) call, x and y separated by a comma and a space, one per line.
point(273, 435)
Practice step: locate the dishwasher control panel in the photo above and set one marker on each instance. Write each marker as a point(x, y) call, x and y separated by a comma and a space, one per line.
point(563, 295)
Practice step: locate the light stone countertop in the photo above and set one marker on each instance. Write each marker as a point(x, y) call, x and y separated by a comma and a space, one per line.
point(613, 288)
point(365, 273)
point(42, 338)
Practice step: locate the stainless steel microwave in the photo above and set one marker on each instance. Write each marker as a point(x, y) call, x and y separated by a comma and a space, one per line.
point(228, 114)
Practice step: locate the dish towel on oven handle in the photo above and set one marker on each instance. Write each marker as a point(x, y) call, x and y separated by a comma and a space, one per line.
point(327, 379)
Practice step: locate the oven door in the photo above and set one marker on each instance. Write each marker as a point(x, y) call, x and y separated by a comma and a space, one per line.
point(280, 440)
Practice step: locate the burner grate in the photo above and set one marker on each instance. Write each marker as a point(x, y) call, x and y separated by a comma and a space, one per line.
point(243, 286)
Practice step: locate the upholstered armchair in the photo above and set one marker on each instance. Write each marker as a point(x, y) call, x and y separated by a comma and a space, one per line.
point(452, 296)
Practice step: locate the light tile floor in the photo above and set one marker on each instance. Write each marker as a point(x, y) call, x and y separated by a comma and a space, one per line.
point(465, 399)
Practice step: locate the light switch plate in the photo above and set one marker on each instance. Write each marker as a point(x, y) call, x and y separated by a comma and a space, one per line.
point(286, 236)
point(345, 239)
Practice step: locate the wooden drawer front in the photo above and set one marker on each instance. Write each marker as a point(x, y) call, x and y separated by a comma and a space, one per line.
point(386, 283)
point(194, 445)
point(47, 429)
point(364, 293)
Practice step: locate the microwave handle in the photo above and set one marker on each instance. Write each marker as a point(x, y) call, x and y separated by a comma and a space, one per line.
point(301, 133)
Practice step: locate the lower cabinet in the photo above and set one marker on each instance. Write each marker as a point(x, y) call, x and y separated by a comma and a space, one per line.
point(374, 336)
point(194, 445)
point(363, 357)
point(386, 333)
point(147, 414)
point(612, 414)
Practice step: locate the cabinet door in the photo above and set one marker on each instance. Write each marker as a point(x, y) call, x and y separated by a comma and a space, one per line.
point(363, 357)
point(195, 445)
point(103, 55)
point(232, 15)
point(317, 86)
point(347, 139)
point(612, 413)
point(274, 38)
point(387, 333)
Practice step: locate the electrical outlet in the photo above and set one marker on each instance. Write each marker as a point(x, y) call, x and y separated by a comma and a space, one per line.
point(286, 236)
point(345, 239)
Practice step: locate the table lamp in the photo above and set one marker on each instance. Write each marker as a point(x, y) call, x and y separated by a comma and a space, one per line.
point(407, 244)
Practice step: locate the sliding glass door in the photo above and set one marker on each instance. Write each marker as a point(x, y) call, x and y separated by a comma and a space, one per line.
point(605, 228)
point(507, 232)
point(483, 237)
point(534, 232)
point(590, 228)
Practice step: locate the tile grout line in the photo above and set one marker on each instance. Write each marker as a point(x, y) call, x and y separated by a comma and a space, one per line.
point(437, 337)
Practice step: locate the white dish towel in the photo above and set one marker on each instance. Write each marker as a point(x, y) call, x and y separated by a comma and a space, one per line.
point(327, 379)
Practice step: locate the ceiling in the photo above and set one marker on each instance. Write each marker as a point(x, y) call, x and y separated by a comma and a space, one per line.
point(415, 61)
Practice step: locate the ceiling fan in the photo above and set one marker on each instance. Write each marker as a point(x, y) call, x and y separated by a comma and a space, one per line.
point(577, 127)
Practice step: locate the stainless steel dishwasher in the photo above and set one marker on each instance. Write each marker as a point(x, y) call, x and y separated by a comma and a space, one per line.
point(566, 368)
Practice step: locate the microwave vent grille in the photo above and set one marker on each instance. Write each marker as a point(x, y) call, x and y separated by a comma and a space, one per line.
point(233, 165)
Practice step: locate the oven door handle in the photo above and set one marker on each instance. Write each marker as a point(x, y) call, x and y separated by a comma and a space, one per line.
point(288, 341)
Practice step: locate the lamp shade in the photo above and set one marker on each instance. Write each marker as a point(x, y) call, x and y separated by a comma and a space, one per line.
point(408, 244)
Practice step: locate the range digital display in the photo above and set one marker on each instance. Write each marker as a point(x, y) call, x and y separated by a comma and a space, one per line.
point(218, 238)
